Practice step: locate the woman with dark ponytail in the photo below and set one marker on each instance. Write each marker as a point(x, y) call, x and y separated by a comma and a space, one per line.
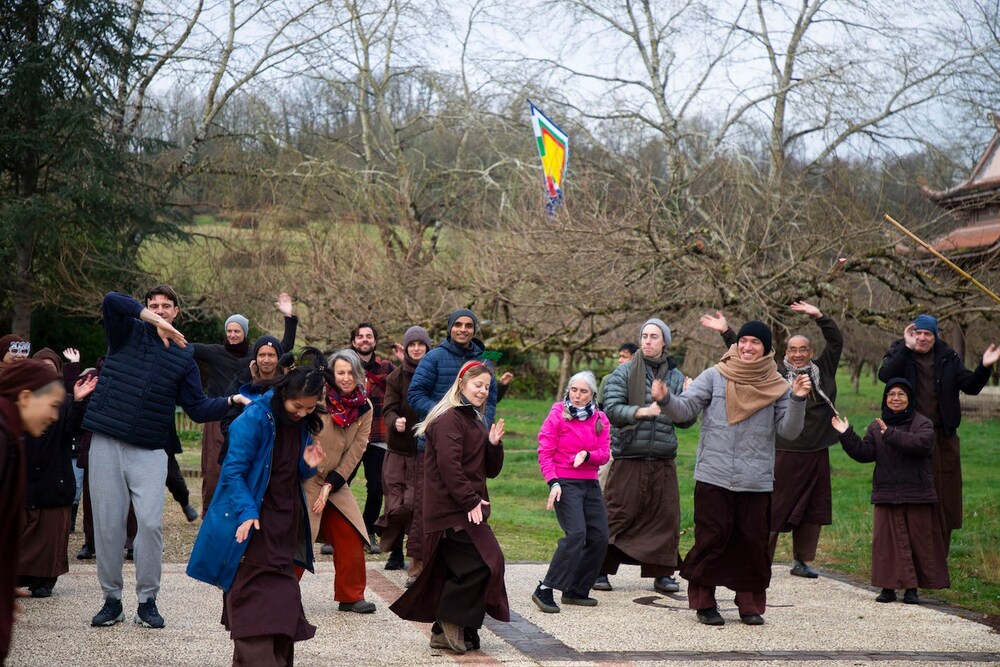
point(256, 530)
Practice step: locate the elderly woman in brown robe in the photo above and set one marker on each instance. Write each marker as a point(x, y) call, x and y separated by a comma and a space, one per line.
point(462, 579)
point(907, 547)
point(335, 516)
point(30, 395)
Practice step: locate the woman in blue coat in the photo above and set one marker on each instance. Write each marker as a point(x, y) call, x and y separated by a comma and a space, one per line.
point(256, 529)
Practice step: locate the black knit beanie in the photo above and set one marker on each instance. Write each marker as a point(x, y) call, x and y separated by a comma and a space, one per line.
point(758, 330)
point(268, 341)
point(463, 312)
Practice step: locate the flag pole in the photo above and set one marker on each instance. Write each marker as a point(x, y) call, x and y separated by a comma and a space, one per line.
point(944, 259)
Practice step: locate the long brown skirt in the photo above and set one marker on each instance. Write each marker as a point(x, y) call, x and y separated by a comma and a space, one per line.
point(948, 480)
point(801, 490)
point(731, 530)
point(398, 474)
point(644, 512)
point(211, 447)
point(415, 548)
point(44, 543)
point(907, 549)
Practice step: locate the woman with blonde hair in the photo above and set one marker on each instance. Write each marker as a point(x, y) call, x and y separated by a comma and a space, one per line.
point(574, 441)
point(463, 572)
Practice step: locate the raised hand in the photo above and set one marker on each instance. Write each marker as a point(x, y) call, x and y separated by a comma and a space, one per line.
point(881, 424)
point(658, 390)
point(313, 455)
point(476, 513)
point(910, 336)
point(284, 304)
point(802, 385)
point(808, 309)
point(555, 495)
point(84, 388)
point(839, 424)
point(991, 355)
point(715, 322)
point(496, 432)
point(243, 532)
point(506, 378)
point(166, 331)
point(72, 355)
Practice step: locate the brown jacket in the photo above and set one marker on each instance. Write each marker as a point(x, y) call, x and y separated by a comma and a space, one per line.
point(396, 406)
point(457, 461)
point(342, 450)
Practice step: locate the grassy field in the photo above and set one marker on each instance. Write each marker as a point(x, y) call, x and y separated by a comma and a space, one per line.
point(528, 532)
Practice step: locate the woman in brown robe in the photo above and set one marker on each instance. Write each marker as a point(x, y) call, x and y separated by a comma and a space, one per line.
point(462, 579)
point(907, 548)
point(256, 530)
point(30, 395)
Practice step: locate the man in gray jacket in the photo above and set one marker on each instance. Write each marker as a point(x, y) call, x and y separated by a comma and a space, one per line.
point(744, 403)
point(641, 494)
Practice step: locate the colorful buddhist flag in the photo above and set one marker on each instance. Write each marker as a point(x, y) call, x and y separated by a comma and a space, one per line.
point(553, 148)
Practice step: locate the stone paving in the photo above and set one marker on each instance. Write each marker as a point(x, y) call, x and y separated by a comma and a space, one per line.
point(829, 621)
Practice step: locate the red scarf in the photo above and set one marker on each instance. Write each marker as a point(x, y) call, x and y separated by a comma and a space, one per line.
point(344, 409)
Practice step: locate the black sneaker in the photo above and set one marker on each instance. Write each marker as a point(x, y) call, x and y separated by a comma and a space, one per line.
point(373, 548)
point(109, 614)
point(801, 569)
point(602, 583)
point(543, 598)
point(887, 595)
point(359, 607)
point(190, 513)
point(752, 619)
point(41, 592)
point(666, 585)
point(86, 552)
point(910, 596)
point(578, 600)
point(710, 616)
point(395, 563)
point(148, 616)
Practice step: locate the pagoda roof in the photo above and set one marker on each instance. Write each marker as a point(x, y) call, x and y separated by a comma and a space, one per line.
point(983, 185)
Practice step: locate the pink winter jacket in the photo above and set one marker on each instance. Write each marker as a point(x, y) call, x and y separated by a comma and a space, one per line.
point(559, 441)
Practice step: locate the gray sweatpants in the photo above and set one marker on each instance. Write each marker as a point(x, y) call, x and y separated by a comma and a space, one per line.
point(120, 472)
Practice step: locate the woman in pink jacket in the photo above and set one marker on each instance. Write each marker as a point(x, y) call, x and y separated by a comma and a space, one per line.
point(574, 442)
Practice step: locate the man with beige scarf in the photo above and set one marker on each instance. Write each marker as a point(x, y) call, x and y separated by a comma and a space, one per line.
point(735, 469)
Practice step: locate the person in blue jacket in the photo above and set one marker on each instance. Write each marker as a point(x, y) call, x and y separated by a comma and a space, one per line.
point(257, 527)
point(439, 367)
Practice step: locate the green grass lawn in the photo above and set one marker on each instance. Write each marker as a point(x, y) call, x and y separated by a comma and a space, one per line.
point(528, 532)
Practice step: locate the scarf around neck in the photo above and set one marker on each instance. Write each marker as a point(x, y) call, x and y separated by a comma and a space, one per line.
point(898, 418)
point(239, 350)
point(750, 385)
point(637, 374)
point(344, 410)
point(583, 414)
point(813, 369)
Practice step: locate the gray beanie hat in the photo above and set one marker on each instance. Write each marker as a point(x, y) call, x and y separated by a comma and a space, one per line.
point(240, 320)
point(664, 329)
point(463, 312)
point(416, 334)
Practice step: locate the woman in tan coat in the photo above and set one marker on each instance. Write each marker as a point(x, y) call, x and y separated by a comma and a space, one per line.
point(334, 512)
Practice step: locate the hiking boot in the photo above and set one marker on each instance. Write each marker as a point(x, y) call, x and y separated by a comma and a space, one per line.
point(190, 513)
point(710, 616)
point(454, 637)
point(46, 592)
point(395, 562)
point(578, 600)
point(910, 596)
point(109, 614)
point(86, 552)
point(887, 595)
point(752, 619)
point(543, 598)
point(148, 616)
point(800, 569)
point(602, 583)
point(438, 641)
point(360, 607)
point(666, 585)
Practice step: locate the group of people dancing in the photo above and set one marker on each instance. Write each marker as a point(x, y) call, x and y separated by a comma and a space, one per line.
point(293, 430)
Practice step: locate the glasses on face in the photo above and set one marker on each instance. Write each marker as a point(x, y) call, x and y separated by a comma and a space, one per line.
point(20, 348)
point(896, 394)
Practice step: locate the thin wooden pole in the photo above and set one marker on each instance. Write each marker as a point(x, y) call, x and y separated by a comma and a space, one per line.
point(944, 259)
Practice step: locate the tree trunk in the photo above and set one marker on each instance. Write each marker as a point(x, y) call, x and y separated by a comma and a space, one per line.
point(855, 367)
point(23, 287)
point(565, 364)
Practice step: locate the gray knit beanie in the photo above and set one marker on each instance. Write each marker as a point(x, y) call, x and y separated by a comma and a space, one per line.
point(463, 312)
point(240, 320)
point(416, 334)
point(664, 329)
